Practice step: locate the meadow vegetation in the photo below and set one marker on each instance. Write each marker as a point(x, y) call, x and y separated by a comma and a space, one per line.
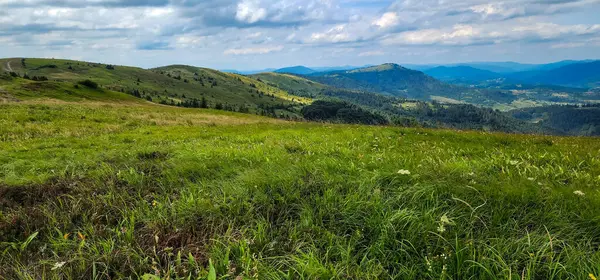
point(96, 183)
point(125, 189)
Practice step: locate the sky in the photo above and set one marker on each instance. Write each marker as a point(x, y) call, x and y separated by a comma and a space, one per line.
point(259, 34)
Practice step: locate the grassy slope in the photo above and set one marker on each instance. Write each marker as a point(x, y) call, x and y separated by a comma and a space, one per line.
point(231, 89)
point(119, 190)
point(291, 83)
point(18, 89)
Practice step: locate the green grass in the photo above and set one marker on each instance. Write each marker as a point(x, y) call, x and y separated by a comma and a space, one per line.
point(229, 89)
point(290, 83)
point(92, 190)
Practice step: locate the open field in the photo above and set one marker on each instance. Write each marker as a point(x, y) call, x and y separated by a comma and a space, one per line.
point(119, 189)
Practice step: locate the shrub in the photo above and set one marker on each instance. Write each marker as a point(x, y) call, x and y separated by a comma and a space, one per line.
point(89, 84)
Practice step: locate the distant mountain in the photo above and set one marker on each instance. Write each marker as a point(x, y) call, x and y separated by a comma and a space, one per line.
point(299, 70)
point(499, 67)
point(391, 79)
point(559, 64)
point(461, 74)
point(395, 80)
point(585, 74)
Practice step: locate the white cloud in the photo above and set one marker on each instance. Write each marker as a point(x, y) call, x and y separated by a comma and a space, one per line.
point(256, 50)
point(249, 11)
point(159, 12)
point(351, 31)
point(492, 34)
point(371, 53)
point(458, 35)
point(336, 34)
point(498, 9)
point(388, 19)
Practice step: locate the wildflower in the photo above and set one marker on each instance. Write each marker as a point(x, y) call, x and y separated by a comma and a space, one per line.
point(444, 219)
point(443, 222)
point(403, 172)
point(377, 191)
point(58, 265)
point(154, 203)
point(81, 236)
point(66, 236)
point(579, 193)
point(592, 277)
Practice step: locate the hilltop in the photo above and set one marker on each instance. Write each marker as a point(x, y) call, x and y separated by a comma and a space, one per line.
point(300, 70)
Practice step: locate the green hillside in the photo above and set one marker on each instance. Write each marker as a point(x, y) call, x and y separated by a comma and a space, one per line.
point(570, 119)
point(295, 85)
point(134, 190)
point(168, 85)
point(400, 111)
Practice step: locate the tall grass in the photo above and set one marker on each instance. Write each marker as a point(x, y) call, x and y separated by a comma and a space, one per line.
point(98, 192)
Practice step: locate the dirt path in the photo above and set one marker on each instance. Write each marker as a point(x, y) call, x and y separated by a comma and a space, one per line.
point(8, 68)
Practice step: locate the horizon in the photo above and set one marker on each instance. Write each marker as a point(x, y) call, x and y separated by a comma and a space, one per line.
point(247, 35)
point(270, 69)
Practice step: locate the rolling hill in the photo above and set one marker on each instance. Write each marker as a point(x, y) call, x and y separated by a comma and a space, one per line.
point(401, 111)
point(275, 94)
point(395, 80)
point(172, 85)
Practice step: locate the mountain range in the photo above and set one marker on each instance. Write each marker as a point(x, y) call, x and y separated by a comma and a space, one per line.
point(582, 74)
point(438, 97)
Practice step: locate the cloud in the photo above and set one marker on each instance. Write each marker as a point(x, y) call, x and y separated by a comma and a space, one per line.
point(83, 3)
point(260, 13)
point(458, 35)
point(461, 35)
point(326, 31)
point(387, 20)
point(336, 34)
point(249, 11)
point(253, 50)
point(371, 53)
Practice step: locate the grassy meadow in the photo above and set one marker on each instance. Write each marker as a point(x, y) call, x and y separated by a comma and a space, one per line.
point(127, 190)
